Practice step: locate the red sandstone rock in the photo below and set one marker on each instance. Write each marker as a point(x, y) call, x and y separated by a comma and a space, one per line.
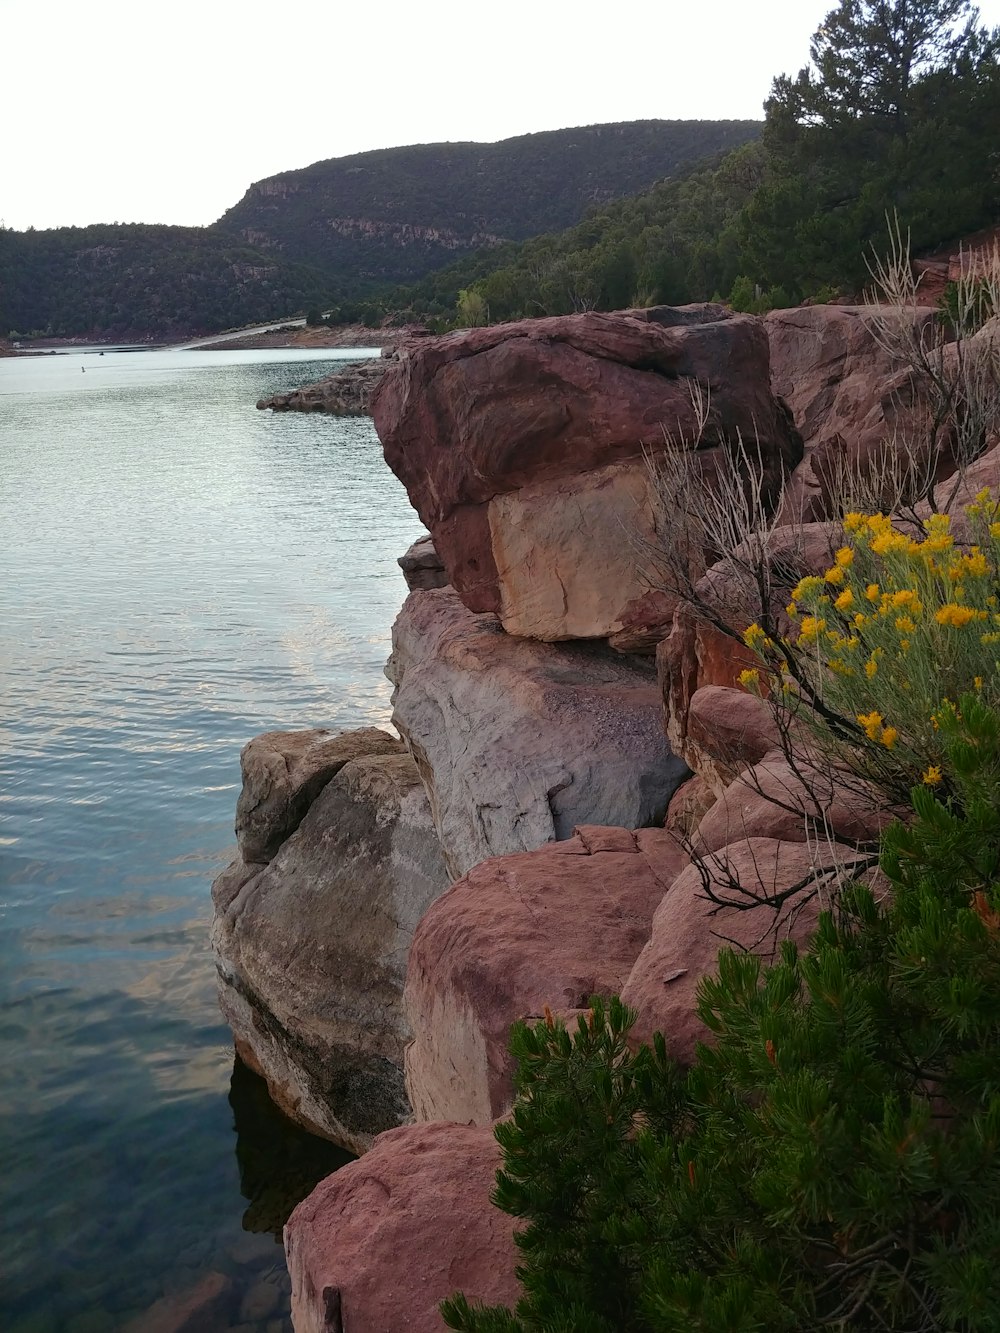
point(521, 447)
point(517, 933)
point(696, 654)
point(846, 394)
point(688, 806)
point(284, 772)
point(517, 742)
point(731, 726)
point(801, 804)
point(646, 621)
point(693, 656)
point(689, 930)
point(376, 1247)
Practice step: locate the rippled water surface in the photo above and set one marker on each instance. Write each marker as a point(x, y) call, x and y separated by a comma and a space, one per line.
point(180, 571)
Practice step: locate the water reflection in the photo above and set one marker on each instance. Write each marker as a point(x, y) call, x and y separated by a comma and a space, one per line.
point(280, 1163)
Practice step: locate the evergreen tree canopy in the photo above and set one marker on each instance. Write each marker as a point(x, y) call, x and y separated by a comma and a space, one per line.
point(867, 56)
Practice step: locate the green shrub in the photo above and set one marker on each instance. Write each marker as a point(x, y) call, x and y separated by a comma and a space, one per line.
point(831, 1163)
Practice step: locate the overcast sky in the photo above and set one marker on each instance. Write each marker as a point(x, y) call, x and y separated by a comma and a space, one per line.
point(134, 111)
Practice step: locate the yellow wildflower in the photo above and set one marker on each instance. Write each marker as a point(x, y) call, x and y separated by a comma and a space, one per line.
point(872, 723)
point(889, 736)
point(807, 587)
point(932, 777)
point(836, 575)
point(812, 627)
point(995, 531)
point(871, 667)
point(845, 600)
point(854, 522)
point(975, 564)
point(860, 620)
point(905, 625)
point(905, 597)
point(791, 610)
point(935, 545)
point(872, 592)
point(844, 557)
point(754, 637)
point(840, 668)
point(905, 645)
point(978, 682)
point(888, 542)
point(749, 679)
point(953, 614)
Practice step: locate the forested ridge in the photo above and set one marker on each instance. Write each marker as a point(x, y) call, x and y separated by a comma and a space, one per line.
point(338, 231)
point(395, 214)
point(895, 113)
point(135, 281)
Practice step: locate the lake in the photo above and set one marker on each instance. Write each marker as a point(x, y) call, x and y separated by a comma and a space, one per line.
point(180, 572)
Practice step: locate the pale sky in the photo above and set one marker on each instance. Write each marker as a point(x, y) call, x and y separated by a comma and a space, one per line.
point(136, 111)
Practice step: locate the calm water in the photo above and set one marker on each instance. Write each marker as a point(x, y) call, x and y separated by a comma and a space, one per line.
point(180, 571)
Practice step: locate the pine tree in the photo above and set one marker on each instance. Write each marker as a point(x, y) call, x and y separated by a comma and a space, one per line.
point(867, 57)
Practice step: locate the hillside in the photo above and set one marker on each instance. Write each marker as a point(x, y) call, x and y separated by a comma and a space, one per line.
point(136, 281)
point(393, 215)
point(337, 230)
point(794, 215)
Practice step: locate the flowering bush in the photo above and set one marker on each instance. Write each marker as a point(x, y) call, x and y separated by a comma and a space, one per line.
point(884, 642)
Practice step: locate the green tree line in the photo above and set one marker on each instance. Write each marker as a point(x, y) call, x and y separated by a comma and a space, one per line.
point(896, 112)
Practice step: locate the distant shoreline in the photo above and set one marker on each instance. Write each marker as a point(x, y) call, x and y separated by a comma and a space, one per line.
point(350, 335)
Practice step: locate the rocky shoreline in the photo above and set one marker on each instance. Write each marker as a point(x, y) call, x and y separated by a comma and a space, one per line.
point(345, 393)
point(567, 741)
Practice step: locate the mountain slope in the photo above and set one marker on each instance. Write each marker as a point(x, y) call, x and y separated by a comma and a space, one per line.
point(134, 281)
point(393, 215)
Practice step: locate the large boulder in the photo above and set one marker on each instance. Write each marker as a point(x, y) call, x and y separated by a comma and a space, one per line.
point(284, 772)
point(689, 927)
point(311, 949)
point(378, 1245)
point(517, 934)
point(850, 398)
point(522, 449)
point(519, 741)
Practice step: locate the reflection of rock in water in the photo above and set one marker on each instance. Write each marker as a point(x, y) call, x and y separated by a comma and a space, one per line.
point(279, 1162)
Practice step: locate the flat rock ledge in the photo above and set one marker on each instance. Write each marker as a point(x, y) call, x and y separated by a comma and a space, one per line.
point(346, 393)
point(378, 1245)
point(311, 948)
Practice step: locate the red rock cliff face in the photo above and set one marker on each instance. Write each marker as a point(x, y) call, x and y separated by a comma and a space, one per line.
point(521, 448)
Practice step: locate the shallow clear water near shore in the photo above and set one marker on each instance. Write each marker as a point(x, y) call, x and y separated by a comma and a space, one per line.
point(180, 572)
